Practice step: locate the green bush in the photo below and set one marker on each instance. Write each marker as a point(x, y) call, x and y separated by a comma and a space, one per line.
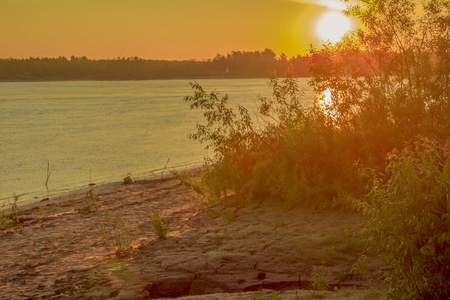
point(292, 155)
point(387, 86)
point(230, 135)
point(409, 221)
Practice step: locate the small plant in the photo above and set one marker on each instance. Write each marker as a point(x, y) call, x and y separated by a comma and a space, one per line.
point(275, 295)
point(160, 225)
point(198, 194)
point(16, 212)
point(4, 221)
point(116, 234)
point(91, 202)
point(319, 278)
point(13, 218)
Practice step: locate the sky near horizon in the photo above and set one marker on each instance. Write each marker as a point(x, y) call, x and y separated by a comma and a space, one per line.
point(158, 29)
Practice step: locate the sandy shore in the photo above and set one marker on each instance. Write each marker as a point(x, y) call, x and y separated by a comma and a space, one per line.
point(58, 251)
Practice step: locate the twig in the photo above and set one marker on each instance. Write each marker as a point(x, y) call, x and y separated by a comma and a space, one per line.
point(165, 168)
point(48, 175)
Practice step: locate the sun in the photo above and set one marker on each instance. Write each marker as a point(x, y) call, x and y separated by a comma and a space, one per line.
point(332, 26)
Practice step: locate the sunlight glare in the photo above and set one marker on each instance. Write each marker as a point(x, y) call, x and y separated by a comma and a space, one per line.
point(326, 100)
point(332, 26)
point(326, 104)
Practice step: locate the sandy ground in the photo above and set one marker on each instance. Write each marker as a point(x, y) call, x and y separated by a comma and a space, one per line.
point(222, 252)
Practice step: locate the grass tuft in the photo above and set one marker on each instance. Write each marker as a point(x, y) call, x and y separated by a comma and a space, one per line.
point(91, 201)
point(160, 225)
point(115, 234)
point(13, 218)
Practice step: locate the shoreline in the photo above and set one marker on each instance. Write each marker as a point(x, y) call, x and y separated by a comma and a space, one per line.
point(59, 251)
point(76, 189)
point(142, 79)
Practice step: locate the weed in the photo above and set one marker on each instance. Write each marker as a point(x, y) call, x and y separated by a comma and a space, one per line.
point(275, 295)
point(91, 202)
point(319, 278)
point(14, 213)
point(160, 225)
point(4, 221)
point(198, 194)
point(116, 234)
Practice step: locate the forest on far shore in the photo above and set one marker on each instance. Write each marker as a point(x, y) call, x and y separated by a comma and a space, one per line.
point(237, 64)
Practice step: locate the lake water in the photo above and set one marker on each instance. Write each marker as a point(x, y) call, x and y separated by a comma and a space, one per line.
point(99, 131)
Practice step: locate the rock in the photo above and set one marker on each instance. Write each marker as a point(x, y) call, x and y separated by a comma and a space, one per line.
point(202, 287)
point(127, 180)
point(261, 276)
point(172, 287)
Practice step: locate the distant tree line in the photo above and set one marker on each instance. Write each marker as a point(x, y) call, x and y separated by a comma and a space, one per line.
point(237, 64)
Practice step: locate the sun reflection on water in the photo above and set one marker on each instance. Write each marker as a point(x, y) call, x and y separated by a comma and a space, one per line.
point(326, 98)
point(327, 105)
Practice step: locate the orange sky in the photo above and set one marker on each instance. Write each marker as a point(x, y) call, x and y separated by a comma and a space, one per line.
point(157, 29)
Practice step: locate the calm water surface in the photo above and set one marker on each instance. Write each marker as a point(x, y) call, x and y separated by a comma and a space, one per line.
point(99, 131)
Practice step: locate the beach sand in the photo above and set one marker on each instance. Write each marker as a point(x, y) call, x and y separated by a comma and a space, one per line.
point(222, 252)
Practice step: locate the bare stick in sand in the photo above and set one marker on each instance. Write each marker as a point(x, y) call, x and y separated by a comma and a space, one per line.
point(48, 175)
point(165, 168)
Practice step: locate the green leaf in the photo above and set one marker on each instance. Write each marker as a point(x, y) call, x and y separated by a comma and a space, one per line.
point(427, 250)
